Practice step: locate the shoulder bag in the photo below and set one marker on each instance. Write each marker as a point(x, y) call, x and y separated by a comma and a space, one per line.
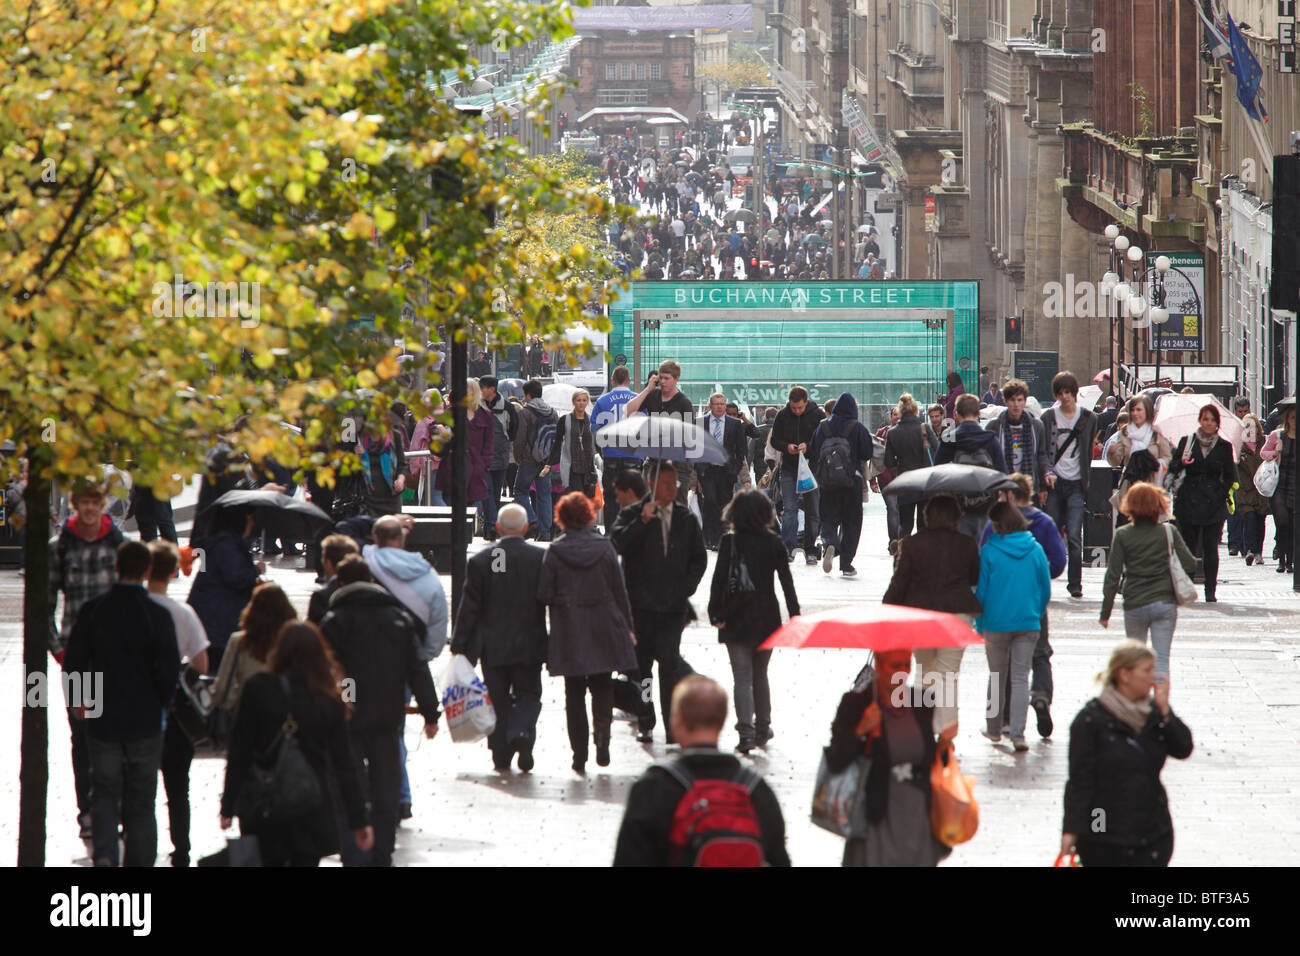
point(221, 719)
point(286, 791)
point(1184, 589)
point(839, 799)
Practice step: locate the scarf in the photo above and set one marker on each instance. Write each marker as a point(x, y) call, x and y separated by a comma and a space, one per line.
point(1132, 712)
point(1206, 442)
point(1140, 438)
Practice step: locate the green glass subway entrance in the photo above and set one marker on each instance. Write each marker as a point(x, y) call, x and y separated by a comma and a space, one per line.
point(756, 339)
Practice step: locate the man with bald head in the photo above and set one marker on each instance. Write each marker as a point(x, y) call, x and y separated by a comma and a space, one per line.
point(699, 711)
point(412, 580)
point(501, 623)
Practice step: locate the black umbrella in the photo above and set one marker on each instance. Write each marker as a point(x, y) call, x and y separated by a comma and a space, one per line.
point(951, 479)
point(663, 436)
point(743, 215)
point(280, 515)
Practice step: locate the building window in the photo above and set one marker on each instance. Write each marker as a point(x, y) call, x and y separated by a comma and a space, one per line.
point(655, 73)
point(611, 71)
point(625, 71)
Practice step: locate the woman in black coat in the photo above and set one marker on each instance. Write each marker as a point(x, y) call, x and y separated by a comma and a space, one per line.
point(1208, 469)
point(303, 682)
point(591, 623)
point(744, 609)
point(224, 585)
point(1116, 810)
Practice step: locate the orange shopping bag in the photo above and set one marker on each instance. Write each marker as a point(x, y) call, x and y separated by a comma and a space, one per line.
point(1064, 860)
point(954, 814)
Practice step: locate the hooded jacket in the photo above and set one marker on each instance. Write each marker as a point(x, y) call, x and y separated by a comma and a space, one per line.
point(534, 414)
point(1045, 532)
point(844, 423)
point(82, 568)
point(412, 580)
point(970, 437)
point(591, 620)
point(378, 643)
point(1015, 584)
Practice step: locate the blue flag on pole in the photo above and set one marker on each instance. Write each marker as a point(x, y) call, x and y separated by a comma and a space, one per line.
point(1247, 71)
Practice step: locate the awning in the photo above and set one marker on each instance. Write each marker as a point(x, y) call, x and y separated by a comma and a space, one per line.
point(638, 114)
point(663, 120)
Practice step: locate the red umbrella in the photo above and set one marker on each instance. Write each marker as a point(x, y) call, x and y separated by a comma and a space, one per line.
point(1101, 376)
point(876, 627)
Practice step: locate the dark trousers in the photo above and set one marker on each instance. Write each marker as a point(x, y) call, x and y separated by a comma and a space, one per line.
point(842, 520)
point(125, 774)
point(1066, 506)
point(1236, 532)
point(381, 763)
point(1105, 854)
point(658, 638)
point(496, 479)
point(177, 754)
point(516, 692)
point(1282, 516)
point(1252, 532)
point(613, 466)
point(715, 491)
point(81, 775)
point(1203, 540)
point(575, 709)
point(908, 515)
point(153, 516)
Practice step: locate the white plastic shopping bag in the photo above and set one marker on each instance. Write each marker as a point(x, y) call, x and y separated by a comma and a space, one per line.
point(465, 702)
point(806, 482)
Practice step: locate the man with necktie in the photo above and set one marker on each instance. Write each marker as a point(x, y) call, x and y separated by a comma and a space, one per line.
point(717, 481)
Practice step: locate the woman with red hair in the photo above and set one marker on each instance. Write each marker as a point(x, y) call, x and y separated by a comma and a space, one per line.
point(1139, 556)
point(591, 623)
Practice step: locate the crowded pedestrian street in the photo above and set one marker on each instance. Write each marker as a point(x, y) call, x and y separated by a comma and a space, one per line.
point(1231, 683)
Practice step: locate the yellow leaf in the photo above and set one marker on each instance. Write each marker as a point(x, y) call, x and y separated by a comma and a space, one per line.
point(385, 219)
point(367, 378)
point(294, 192)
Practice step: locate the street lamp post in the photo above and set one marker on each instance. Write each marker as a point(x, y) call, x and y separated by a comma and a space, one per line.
point(1108, 283)
point(1134, 254)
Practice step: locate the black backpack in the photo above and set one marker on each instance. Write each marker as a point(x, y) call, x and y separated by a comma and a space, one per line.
point(979, 456)
point(835, 463)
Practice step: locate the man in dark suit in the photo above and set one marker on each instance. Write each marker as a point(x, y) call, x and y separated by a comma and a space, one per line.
point(717, 481)
point(663, 562)
point(501, 623)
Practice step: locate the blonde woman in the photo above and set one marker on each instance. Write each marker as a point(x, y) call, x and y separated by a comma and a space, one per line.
point(574, 448)
point(1116, 810)
point(909, 445)
point(478, 437)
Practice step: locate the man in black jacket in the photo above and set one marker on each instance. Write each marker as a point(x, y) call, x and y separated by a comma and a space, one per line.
point(501, 623)
point(699, 709)
point(791, 433)
point(663, 562)
point(505, 425)
point(123, 650)
point(717, 481)
point(377, 641)
point(334, 549)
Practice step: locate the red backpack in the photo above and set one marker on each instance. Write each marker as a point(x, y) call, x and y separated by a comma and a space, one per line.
point(715, 823)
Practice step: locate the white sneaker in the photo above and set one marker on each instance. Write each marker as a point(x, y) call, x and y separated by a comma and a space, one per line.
point(828, 558)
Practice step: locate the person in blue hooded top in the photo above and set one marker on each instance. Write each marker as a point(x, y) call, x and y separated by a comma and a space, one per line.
point(840, 448)
point(1014, 588)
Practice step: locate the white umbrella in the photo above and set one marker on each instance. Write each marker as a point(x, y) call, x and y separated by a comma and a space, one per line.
point(1179, 416)
point(559, 395)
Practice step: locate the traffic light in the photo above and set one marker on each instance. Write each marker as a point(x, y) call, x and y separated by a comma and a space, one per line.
point(1011, 330)
point(564, 121)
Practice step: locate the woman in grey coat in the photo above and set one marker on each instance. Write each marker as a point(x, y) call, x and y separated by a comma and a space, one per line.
point(591, 623)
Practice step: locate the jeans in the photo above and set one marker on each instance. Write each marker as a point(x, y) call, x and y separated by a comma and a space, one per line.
point(1203, 540)
point(658, 638)
point(791, 502)
point(1159, 619)
point(81, 775)
point(1066, 505)
point(1010, 652)
point(575, 709)
point(753, 697)
point(496, 481)
point(842, 523)
point(526, 475)
point(516, 692)
point(177, 755)
point(404, 790)
point(1252, 532)
point(125, 774)
point(945, 664)
point(1236, 532)
point(891, 516)
point(908, 515)
point(381, 763)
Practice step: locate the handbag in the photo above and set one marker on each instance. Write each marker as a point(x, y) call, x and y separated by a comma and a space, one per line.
point(1184, 589)
point(1063, 860)
point(1267, 476)
point(739, 582)
point(839, 799)
point(192, 705)
point(220, 719)
point(289, 789)
point(954, 814)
